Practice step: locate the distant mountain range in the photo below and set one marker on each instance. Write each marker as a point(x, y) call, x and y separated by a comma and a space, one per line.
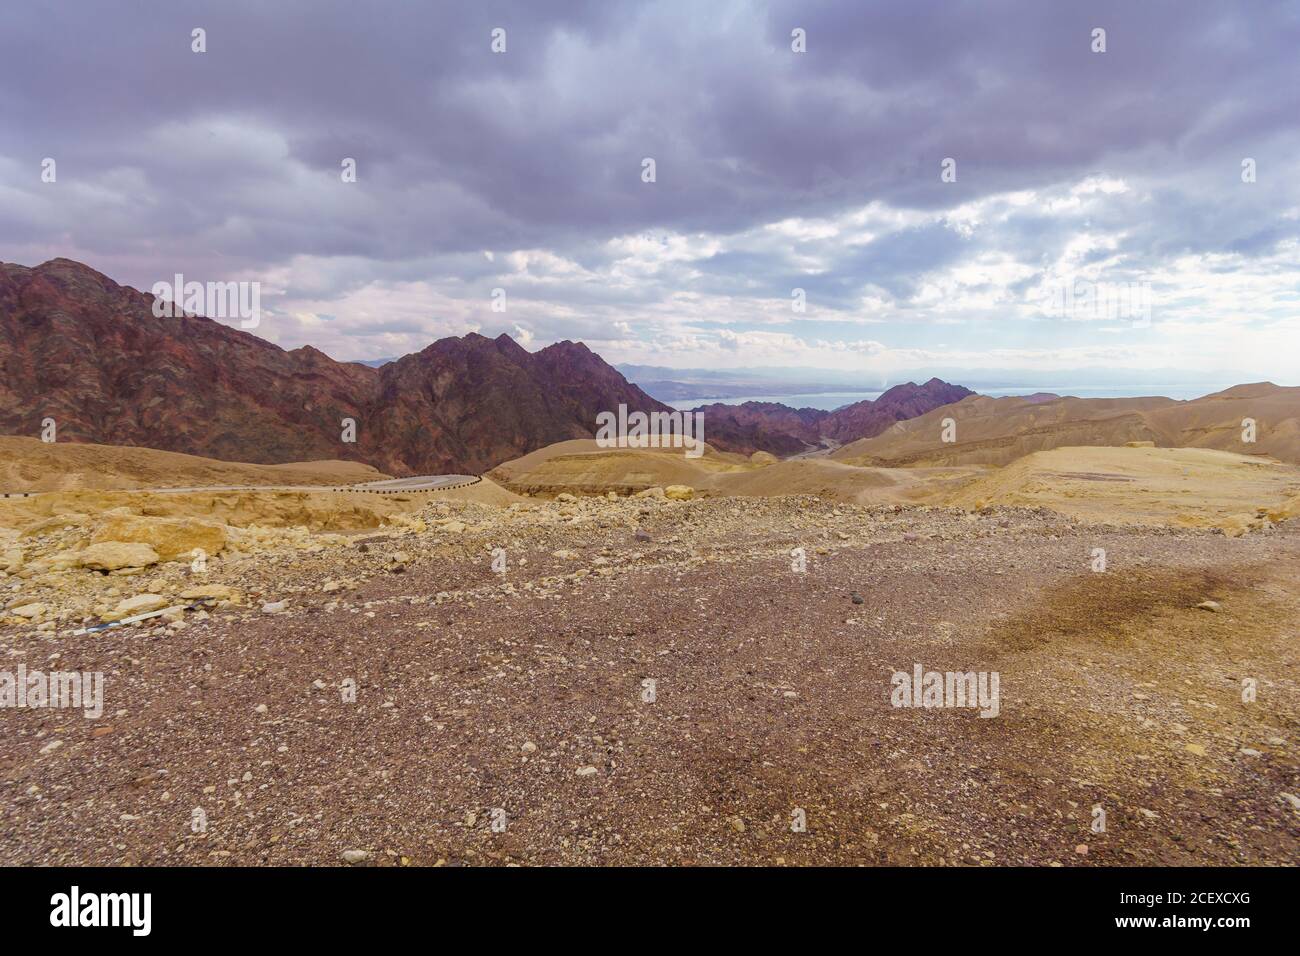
point(680, 385)
point(90, 354)
point(781, 430)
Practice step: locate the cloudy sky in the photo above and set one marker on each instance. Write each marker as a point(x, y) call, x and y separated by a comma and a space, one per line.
point(1096, 215)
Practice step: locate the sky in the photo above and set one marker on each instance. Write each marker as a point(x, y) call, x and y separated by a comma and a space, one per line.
point(844, 185)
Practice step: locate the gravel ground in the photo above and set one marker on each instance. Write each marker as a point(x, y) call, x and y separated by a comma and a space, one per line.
point(505, 718)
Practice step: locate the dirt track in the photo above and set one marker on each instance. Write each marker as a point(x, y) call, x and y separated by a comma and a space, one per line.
point(772, 692)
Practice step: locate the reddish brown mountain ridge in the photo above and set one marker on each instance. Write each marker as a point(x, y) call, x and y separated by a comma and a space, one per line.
point(78, 348)
point(782, 430)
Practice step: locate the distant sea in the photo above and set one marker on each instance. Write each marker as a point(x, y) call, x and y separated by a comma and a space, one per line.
point(828, 401)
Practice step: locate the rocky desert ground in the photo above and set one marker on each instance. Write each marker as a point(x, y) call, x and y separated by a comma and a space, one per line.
point(668, 676)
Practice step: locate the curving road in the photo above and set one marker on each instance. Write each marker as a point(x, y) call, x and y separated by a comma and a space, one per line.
point(388, 486)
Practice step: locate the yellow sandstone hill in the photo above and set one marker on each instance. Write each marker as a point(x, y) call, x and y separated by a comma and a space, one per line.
point(997, 431)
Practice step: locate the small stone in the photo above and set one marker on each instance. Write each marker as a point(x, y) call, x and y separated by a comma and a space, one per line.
point(275, 607)
point(261, 708)
point(1198, 749)
point(586, 771)
point(1081, 849)
point(529, 747)
point(1214, 606)
point(737, 824)
point(355, 856)
point(52, 746)
point(856, 598)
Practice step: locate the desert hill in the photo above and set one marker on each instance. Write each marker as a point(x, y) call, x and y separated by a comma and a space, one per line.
point(28, 464)
point(996, 431)
point(583, 468)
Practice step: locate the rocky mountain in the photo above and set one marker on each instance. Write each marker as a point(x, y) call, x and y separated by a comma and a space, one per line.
point(90, 354)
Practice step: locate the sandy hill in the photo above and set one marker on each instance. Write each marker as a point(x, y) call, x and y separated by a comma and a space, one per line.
point(28, 464)
point(582, 466)
point(1184, 487)
point(996, 431)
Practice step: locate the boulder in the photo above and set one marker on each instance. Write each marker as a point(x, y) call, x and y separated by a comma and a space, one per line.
point(140, 604)
point(174, 539)
point(112, 555)
point(679, 492)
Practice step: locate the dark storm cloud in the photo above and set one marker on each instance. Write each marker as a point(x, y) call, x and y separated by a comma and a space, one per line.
point(231, 157)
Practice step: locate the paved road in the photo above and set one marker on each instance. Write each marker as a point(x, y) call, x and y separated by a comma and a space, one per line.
point(388, 486)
